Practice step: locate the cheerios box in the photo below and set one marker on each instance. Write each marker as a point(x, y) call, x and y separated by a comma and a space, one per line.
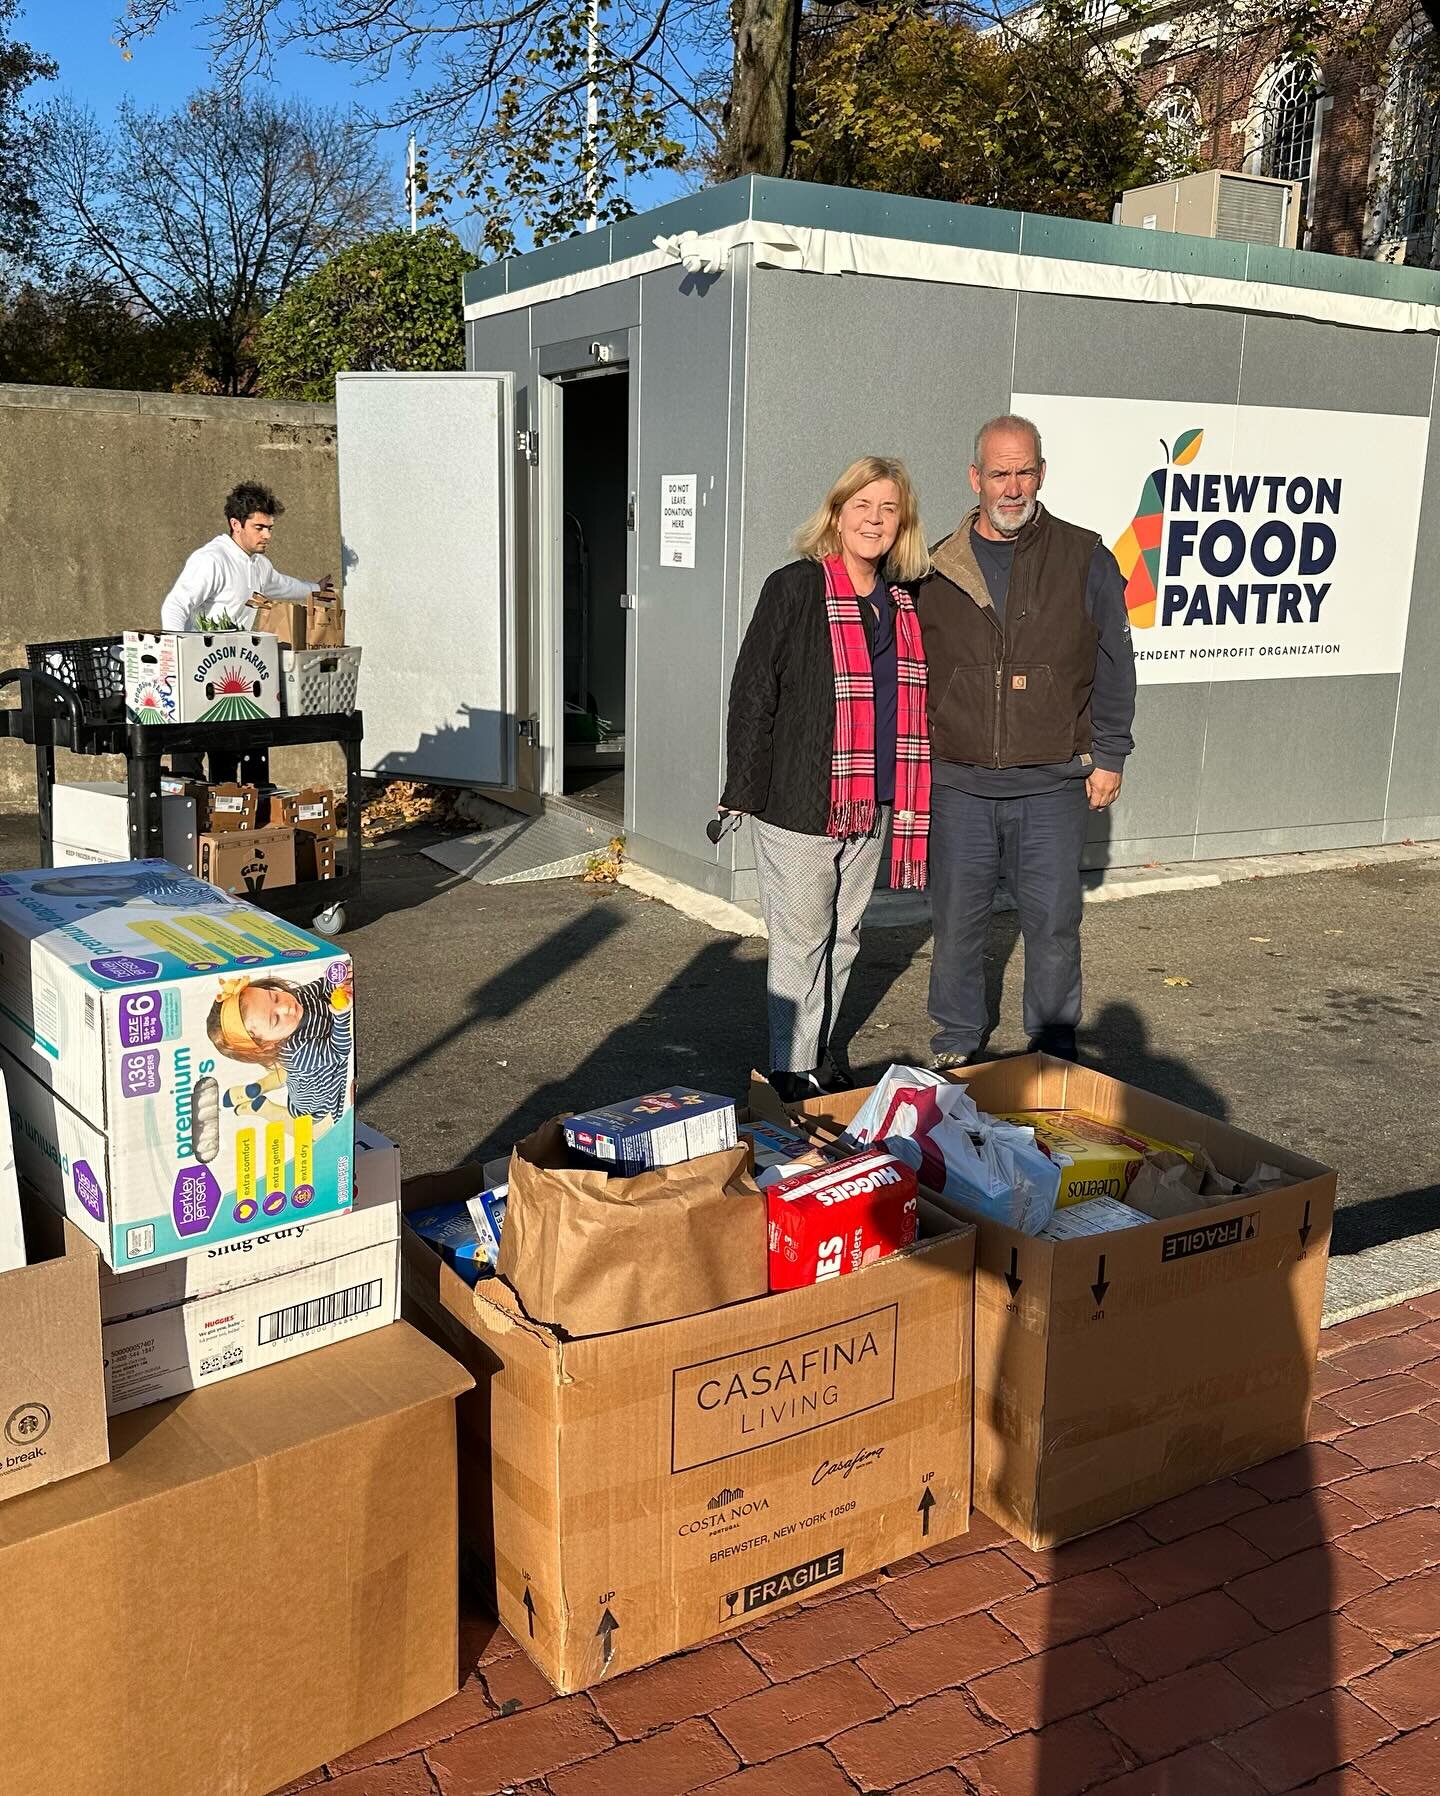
point(179, 1064)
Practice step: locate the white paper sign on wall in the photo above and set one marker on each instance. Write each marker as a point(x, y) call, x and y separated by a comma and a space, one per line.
point(677, 520)
point(1257, 542)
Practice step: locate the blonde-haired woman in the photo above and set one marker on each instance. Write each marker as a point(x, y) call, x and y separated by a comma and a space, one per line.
point(826, 738)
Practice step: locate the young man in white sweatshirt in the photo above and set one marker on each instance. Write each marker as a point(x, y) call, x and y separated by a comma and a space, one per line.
point(221, 579)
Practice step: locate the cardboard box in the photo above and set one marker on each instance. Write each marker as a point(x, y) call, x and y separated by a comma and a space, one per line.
point(372, 1220)
point(229, 806)
point(199, 1342)
point(191, 676)
point(377, 1167)
point(52, 1391)
point(311, 809)
point(126, 1113)
point(175, 785)
point(261, 1580)
point(12, 1227)
point(627, 1495)
point(1103, 1157)
point(314, 856)
point(1113, 1373)
point(91, 823)
point(246, 861)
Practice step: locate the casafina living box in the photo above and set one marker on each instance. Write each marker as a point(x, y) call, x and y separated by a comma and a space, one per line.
point(183, 1063)
point(626, 1495)
point(190, 676)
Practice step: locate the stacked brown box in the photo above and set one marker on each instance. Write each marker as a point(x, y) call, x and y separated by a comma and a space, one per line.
point(310, 812)
point(262, 1579)
point(247, 861)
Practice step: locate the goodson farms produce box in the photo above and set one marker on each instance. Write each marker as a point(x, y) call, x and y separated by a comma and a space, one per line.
point(629, 1494)
point(1116, 1370)
point(189, 676)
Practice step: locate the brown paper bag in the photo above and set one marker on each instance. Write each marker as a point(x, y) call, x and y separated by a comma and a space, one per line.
point(282, 618)
point(325, 622)
point(594, 1255)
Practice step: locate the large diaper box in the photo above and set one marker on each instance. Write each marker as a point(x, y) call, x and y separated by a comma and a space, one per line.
point(179, 1065)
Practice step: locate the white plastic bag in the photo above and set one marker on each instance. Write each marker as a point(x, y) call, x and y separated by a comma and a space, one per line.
point(998, 1169)
point(908, 1104)
point(958, 1150)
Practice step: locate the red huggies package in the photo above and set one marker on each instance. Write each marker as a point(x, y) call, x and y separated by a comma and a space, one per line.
point(839, 1218)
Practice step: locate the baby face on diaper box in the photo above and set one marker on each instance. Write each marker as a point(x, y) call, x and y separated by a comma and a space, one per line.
point(184, 1062)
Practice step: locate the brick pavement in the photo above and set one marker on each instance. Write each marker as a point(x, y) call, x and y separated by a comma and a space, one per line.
point(1276, 1631)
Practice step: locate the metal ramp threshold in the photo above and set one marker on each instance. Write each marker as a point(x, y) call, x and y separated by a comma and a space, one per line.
point(554, 845)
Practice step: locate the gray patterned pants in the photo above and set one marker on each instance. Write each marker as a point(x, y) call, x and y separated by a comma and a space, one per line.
point(813, 892)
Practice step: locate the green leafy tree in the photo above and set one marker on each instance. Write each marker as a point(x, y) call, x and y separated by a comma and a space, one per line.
point(80, 334)
point(392, 302)
point(911, 101)
point(19, 66)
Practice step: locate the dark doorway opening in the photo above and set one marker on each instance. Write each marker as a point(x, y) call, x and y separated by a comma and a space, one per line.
point(595, 500)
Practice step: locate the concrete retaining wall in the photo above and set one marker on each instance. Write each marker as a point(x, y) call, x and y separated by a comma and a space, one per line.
point(103, 495)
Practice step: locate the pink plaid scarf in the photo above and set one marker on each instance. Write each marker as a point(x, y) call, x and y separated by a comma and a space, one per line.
point(852, 762)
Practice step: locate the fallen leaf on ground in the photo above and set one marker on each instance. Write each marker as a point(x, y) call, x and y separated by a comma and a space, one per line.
point(1259, 938)
point(1179, 979)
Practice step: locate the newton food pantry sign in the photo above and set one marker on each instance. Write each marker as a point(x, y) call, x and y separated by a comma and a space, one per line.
point(1256, 542)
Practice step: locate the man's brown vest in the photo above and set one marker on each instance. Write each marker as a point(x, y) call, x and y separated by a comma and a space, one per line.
point(1017, 696)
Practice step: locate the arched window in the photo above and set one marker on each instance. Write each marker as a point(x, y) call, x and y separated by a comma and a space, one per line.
point(1290, 135)
point(1177, 112)
point(1412, 185)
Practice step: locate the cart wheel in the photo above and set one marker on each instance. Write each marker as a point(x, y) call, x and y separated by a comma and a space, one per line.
point(329, 922)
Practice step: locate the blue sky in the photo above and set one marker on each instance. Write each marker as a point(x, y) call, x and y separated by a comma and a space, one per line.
point(162, 70)
point(171, 64)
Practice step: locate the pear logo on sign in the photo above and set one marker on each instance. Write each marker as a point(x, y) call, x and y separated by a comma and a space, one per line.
point(1138, 550)
point(1233, 548)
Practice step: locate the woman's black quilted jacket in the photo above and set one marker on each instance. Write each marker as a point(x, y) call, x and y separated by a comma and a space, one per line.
point(781, 727)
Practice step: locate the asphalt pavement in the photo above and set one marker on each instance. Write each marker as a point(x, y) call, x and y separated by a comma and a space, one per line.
point(1306, 1009)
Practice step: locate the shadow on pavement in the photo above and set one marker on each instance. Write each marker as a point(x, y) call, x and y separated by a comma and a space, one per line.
point(1386, 1219)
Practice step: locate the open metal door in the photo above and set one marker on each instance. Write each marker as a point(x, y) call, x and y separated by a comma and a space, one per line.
point(427, 521)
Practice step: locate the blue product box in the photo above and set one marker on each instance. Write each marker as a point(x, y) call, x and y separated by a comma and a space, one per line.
point(465, 1233)
point(660, 1129)
point(773, 1145)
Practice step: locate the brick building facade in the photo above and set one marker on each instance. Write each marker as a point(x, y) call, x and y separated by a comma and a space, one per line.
point(1358, 126)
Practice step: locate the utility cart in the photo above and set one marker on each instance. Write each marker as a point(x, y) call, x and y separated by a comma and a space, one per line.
point(73, 696)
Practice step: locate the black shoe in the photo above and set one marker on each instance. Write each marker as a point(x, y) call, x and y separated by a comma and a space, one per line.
point(795, 1088)
point(834, 1072)
point(1057, 1040)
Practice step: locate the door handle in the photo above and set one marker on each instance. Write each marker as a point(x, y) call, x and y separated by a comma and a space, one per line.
point(627, 602)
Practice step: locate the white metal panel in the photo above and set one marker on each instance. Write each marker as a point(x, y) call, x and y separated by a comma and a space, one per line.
point(427, 521)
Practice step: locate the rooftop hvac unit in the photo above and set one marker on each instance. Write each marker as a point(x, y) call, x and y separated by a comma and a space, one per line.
point(1217, 203)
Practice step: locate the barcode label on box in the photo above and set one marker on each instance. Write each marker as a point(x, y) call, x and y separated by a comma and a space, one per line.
point(140, 1241)
point(320, 1312)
